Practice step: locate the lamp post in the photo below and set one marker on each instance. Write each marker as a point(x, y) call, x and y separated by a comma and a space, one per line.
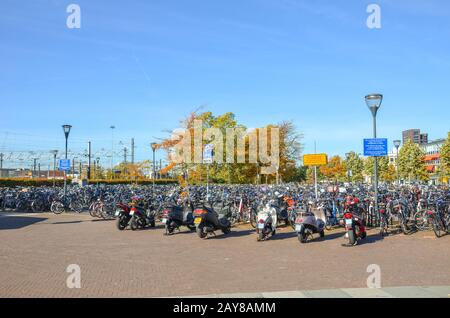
point(397, 144)
point(154, 146)
point(54, 152)
point(66, 129)
point(373, 102)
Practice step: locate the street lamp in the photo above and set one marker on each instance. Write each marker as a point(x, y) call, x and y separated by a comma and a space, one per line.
point(66, 129)
point(373, 102)
point(54, 152)
point(154, 145)
point(397, 144)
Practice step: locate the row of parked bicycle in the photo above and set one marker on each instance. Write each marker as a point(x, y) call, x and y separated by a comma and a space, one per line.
point(410, 208)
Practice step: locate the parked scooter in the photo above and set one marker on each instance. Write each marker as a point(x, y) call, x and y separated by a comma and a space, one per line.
point(306, 225)
point(207, 220)
point(141, 215)
point(123, 216)
point(177, 214)
point(267, 221)
point(354, 224)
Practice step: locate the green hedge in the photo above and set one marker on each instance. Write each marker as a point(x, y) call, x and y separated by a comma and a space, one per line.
point(60, 183)
point(144, 182)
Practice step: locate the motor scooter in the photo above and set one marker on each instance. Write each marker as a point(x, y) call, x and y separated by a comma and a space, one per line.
point(306, 225)
point(354, 223)
point(141, 215)
point(176, 215)
point(123, 216)
point(207, 221)
point(267, 221)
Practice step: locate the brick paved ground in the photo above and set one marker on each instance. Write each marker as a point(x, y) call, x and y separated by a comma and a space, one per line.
point(35, 250)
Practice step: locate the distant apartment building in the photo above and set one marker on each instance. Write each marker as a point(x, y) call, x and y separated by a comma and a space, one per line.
point(433, 154)
point(415, 136)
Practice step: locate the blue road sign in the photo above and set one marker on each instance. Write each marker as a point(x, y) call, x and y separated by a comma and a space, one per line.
point(208, 153)
point(64, 164)
point(376, 147)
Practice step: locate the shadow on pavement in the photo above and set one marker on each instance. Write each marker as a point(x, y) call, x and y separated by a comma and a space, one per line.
point(68, 222)
point(283, 236)
point(231, 234)
point(17, 222)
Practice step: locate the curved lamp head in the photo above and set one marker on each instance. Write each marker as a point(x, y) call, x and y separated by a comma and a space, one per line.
point(397, 143)
point(154, 145)
point(54, 152)
point(374, 101)
point(66, 129)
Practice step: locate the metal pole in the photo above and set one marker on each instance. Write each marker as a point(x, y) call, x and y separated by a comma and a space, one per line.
point(1, 165)
point(65, 173)
point(376, 164)
point(396, 163)
point(207, 182)
point(89, 162)
point(132, 150)
point(124, 161)
point(154, 168)
point(54, 169)
point(316, 192)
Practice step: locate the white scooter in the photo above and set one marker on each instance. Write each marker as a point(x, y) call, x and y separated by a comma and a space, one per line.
point(266, 221)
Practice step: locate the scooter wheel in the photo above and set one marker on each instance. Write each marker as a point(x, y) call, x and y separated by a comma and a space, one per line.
point(134, 224)
point(121, 224)
point(302, 237)
point(200, 232)
point(352, 238)
point(226, 230)
point(260, 236)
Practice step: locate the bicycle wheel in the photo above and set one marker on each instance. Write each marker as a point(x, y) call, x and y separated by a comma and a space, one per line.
point(438, 227)
point(420, 221)
point(57, 207)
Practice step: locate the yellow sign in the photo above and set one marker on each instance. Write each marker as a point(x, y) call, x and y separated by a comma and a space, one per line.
point(319, 159)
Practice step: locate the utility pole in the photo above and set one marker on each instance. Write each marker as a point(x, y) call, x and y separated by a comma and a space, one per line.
point(73, 167)
point(39, 170)
point(124, 161)
point(34, 167)
point(132, 150)
point(160, 168)
point(89, 162)
point(1, 165)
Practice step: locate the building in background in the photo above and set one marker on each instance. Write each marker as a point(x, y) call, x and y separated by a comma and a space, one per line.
point(433, 158)
point(415, 136)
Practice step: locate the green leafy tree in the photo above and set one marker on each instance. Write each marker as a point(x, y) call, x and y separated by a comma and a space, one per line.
point(411, 163)
point(354, 164)
point(445, 158)
point(386, 171)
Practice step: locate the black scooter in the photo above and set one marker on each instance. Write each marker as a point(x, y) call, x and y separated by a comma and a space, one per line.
point(176, 215)
point(207, 220)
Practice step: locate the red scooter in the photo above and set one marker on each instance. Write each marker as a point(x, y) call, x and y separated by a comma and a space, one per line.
point(354, 224)
point(123, 216)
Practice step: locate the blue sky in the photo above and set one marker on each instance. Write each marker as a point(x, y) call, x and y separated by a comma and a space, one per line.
point(144, 65)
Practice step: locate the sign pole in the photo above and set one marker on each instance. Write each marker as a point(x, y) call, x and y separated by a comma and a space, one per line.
point(315, 182)
point(315, 173)
point(207, 181)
